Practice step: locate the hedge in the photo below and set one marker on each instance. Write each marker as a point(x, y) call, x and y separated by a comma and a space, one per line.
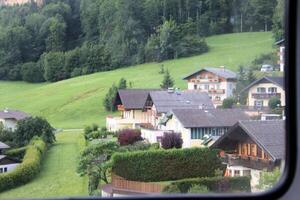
point(214, 184)
point(166, 165)
point(28, 169)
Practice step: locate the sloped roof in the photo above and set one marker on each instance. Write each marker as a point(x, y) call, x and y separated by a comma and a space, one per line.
point(196, 118)
point(4, 146)
point(13, 114)
point(269, 135)
point(133, 98)
point(222, 72)
point(277, 80)
point(165, 101)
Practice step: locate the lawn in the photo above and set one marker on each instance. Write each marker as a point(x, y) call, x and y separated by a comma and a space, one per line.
point(58, 177)
point(77, 102)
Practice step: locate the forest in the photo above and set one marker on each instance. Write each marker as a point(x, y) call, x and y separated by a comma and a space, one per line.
point(68, 38)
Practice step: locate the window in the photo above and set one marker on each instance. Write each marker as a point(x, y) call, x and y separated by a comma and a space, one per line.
point(237, 173)
point(206, 87)
point(5, 169)
point(1, 170)
point(261, 90)
point(195, 87)
point(197, 133)
point(258, 103)
point(272, 90)
point(246, 172)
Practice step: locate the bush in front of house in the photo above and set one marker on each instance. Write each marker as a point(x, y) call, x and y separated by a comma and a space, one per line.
point(166, 165)
point(213, 184)
point(28, 169)
point(198, 189)
point(171, 140)
point(228, 102)
point(93, 132)
point(274, 102)
point(129, 136)
point(31, 127)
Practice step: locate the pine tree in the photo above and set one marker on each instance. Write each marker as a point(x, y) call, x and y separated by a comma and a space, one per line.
point(167, 81)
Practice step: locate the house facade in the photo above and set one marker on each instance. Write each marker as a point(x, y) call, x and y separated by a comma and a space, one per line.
point(219, 83)
point(281, 54)
point(200, 128)
point(133, 112)
point(253, 146)
point(7, 164)
point(9, 118)
point(263, 89)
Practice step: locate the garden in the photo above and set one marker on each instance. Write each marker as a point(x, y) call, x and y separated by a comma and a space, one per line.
point(126, 156)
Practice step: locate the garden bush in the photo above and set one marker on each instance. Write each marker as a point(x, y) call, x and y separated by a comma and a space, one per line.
point(129, 136)
point(28, 169)
point(166, 165)
point(171, 140)
point(213, 184)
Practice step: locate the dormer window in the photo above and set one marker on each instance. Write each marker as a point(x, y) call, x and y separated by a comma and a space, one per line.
point(261, 90)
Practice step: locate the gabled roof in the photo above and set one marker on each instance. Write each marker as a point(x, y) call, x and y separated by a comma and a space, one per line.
point(5, 160)
point(4, 146)
point(269, 135)
point(133, 98)
point(165, 101)
point(222, 72)
point(279, 81)
point(13, 114)
point(197, 118)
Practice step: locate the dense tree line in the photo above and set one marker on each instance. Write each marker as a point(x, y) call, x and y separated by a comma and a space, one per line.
point(67, 38)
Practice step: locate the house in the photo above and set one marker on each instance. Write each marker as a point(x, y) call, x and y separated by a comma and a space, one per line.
point(261, 90)
point(9, 118)
point(219, 83)
point(252, 146)
point(281, 54)
point(201, 127)
point(131, 104)
point(7, 164)
point(162, 102)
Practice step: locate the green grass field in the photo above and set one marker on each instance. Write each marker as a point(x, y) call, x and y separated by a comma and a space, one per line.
point(77, 102)
point(58, 177)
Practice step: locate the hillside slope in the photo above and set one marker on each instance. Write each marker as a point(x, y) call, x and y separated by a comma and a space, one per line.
point(77, 102)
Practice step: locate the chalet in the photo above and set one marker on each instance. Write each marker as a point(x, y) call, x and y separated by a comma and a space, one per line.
point(131, 104)
point(7, 164)
point(252, 146)
point(261, 90)
point(9, 118)
point(162, 102)
point(219, 83)
point(200, 127)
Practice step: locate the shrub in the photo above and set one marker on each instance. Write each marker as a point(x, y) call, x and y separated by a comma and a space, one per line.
point(274, 102)
point(33, 126)
point(166, 165)
point(228, 102)
point(171, 140)
point(213, 184)
point(129, 136)
point(197, 189)
point(137, 146)
point(28, 169)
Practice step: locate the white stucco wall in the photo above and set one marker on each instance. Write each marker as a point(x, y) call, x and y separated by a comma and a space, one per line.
point(253, 89)
point(9, 124)
point(9, 167)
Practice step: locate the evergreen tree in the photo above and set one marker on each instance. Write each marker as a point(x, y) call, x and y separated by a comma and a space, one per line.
point(168, 81)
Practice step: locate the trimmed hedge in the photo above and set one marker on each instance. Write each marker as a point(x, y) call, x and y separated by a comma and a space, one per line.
point(166, 165)
point(28, 169)
point(214, 184)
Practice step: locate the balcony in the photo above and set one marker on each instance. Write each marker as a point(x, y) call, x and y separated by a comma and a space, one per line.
point(216, 91)
point(249, 162)
point(118, 123)
point(265, 95)
point(210, 80)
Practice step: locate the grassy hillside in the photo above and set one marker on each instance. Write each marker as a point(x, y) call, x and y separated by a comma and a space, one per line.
point(77, 102)
point(58, 177)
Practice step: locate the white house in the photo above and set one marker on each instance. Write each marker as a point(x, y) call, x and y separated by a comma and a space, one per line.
point(9, 118)
point(198, 127)
point(219, 83)
point(7, 164)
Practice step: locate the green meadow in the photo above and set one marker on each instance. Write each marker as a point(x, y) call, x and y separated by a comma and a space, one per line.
point(58, 177)
point(77, 102)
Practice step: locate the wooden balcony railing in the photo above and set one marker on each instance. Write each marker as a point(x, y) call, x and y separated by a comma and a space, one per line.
point(265, 95)
point(216, 91)
point(248, 161)
point(135, 186)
